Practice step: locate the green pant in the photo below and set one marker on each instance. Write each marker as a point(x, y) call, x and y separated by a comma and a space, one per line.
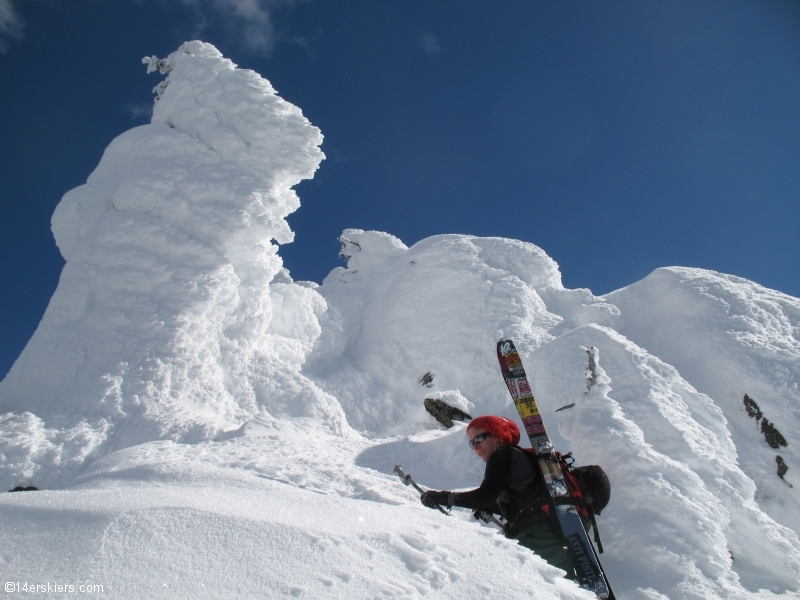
point(544, 540)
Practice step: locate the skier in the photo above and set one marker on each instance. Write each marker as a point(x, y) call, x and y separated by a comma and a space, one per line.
point(511, 487)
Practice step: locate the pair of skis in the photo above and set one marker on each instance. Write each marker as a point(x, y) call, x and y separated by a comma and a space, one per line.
point(587, 565)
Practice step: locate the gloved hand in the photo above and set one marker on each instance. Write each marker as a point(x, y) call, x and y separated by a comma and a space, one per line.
point(434, 499)
point(510, 530)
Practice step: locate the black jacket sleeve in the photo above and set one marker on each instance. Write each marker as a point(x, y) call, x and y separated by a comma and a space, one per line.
point(497, 469)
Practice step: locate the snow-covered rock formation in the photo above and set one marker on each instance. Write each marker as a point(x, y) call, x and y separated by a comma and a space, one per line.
point(164, 324)
point(185, 403)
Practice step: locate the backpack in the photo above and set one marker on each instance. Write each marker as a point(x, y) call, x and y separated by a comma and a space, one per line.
point(589, 489)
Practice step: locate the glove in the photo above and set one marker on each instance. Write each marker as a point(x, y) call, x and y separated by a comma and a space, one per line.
point(434, 499)
point(510, 530)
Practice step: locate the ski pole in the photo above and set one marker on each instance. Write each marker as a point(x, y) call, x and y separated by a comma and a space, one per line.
point(406, 478)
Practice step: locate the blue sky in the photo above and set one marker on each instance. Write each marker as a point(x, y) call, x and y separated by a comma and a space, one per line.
point(618, 136)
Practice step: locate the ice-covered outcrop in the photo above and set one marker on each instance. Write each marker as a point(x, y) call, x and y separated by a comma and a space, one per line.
point(397, 313)
point(728, 337)
point(164, 323)
point(680, 499)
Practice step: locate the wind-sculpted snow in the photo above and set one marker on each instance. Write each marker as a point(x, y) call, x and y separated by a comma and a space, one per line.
point(162, 324)
point(184, 403)
point(680, 500)
point(728, 337)
point(438, 307)
point(683, 498)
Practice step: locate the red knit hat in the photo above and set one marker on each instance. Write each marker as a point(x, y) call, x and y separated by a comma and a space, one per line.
point(503, 430)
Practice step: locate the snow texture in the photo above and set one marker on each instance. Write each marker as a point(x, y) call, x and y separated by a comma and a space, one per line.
point(202, 426)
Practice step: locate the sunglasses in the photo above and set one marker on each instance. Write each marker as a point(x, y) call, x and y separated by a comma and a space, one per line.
point(478, 439)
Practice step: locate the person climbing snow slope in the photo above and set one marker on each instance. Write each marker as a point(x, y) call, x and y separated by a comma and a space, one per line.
point(513, 488)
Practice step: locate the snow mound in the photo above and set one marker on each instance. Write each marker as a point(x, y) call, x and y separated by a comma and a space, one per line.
point(396, 314)
point(160, 542)
point(279, 509)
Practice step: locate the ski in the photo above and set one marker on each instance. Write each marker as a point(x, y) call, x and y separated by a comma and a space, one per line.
point(590, 572)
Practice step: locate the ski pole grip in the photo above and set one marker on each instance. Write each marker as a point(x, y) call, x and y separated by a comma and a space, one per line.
point(406, 478)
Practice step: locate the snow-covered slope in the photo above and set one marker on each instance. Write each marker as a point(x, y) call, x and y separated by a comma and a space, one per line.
point(728, 337)
point(203, 426)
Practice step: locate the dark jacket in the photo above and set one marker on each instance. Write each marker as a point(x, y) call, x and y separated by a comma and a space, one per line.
point(511, 487)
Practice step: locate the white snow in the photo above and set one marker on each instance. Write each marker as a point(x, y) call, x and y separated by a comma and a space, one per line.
point(202, 426)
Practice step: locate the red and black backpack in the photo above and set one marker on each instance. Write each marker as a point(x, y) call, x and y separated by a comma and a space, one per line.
point(589, 489)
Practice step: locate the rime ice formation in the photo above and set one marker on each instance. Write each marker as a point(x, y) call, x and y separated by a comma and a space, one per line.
point(164, 324)
point(183, 400)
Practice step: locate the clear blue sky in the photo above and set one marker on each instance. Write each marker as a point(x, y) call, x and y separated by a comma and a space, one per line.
point(618, 136)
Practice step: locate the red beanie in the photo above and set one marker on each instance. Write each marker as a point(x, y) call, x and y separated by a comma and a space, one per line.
point(503, 430)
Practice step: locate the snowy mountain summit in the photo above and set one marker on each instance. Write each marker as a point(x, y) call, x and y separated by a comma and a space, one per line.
point(201, 425)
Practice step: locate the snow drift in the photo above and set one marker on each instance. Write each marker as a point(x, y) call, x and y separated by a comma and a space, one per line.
point(188, 405)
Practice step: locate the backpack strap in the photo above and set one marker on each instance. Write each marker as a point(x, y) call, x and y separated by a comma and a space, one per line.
point(596, 533)
point(566, 460)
